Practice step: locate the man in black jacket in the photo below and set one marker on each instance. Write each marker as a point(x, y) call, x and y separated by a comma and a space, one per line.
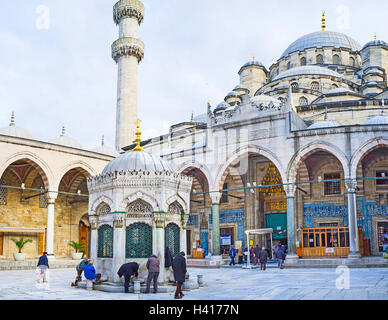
point(127, 270)
point(179, 267)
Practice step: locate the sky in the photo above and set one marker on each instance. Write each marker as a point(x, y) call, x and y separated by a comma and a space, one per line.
point(56, 67)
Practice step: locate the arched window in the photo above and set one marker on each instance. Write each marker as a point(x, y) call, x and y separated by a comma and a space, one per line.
point(289, 65)
point(336, 59)
point(138, 241)
point(103, 209)
point(294, 85)
point(303, 101)
point(172, 239)
point(139, 206)
point(3, 192)
point(42, 198)
point(303, 61)
point(319, 59)
point(314, 85)
point(105, 241)
point(352, 62)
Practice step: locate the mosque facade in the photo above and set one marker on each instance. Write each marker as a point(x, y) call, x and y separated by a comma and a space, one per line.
point(300, 146)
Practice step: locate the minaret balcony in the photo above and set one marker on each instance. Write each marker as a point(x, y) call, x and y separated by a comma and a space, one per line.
point(128, 9)
point(128, 47)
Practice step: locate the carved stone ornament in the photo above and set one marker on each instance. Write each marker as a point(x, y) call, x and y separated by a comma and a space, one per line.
point(128, 9)
point(128, 47)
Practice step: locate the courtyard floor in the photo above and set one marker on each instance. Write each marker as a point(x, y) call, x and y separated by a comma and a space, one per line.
point(220, 284)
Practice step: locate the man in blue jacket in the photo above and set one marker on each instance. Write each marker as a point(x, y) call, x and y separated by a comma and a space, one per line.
point(43, 266)
point(90, 272)
point(232, 255)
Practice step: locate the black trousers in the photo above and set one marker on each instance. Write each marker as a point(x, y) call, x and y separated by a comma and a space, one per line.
point(127, 279)
point(178, 291)
point(152, 276)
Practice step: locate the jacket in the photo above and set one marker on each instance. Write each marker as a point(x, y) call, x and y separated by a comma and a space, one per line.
point(128, 269)
point(81, 265)
point(232, 252)
point(179, 267)
point(263, 256)
point(90, 272)
point(43, 261)
point(168, 258)
point(280, 254)
point(257, 251)
point(153, 264)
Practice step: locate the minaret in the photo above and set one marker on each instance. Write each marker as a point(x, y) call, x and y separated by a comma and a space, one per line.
point(127, 51)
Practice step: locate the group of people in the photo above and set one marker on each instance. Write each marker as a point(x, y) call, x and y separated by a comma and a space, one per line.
point(130, 269)
point(260, 255)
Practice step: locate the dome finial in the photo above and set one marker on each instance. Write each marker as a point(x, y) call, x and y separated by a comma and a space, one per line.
point(63, 131)
point(102, 141)
point(375, 36)
point(12, 123)
point(323, 21)
point(138, 140)
point(253, 57)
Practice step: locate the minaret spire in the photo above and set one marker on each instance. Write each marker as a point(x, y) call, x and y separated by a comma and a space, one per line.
point(127, 51)
point(12, 123)
point(323, 21)
point(63, 131)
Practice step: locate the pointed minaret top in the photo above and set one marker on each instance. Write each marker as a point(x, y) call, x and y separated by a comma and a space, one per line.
point(12, 123)
point(323, 21)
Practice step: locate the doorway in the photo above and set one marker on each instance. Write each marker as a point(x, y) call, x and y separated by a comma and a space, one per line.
point(188, 242)
point(84, 237)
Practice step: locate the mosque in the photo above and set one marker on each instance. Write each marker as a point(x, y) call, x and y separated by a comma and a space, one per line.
point(300, 147)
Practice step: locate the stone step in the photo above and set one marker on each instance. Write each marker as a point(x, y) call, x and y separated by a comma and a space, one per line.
point(32, 263)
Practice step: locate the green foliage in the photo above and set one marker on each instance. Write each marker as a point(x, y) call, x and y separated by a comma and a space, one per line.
point(20, 243)
point(77, 245)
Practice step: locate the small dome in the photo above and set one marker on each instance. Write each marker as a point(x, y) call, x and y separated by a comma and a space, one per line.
point(222, 106)
point(103, 149)
point(66, 141)
point(307, 70)
point(375, 43)
point(322, 39)
point(381, 119)
point(250, 64)
point(324, 124)
point(14, 131)
point(137, 160)
point(241, 88)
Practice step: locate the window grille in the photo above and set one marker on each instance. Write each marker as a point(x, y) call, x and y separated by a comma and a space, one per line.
point(303, 61)
point(332, 187)
point(336, 59)
point(172, 240)
point(105, 241)
point(103, 209)
point(3, 192)
point(319, 59)
point(138, 241)
point(42, 198)
point(315, 86)
point(294, 85)
point(303, 101)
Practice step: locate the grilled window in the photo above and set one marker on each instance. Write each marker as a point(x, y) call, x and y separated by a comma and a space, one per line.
point(315, 86)
point(336, 59)
point(319, 59)
point(42, 198)
point(303, 61)
point(3, 192)
point(172, 240)
point(294, 85)
point(105, 241)
point(332, 187)
point(138, 241)
point(303, 101)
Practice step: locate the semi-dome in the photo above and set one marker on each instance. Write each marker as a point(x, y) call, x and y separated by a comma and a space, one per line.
point(135, 161)
point(375, 43)
point(324, 124)
point(66, 141)
point(381, 119)
point(307, 70)
point(103, 149)
point(232, 94)
point(322, 39)
point(241, 88)
point(14, 131)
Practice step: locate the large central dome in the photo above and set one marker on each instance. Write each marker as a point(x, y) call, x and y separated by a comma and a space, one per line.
point(322, 39)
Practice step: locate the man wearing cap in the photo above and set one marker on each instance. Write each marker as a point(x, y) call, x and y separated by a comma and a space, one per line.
point(43, 266)
point(179, 267)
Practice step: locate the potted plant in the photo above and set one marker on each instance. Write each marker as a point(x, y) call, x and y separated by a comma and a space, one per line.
point(385, 254)
point(76, 246)
point(20, 244)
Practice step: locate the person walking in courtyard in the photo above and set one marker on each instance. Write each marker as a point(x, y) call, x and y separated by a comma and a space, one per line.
point(232, 255)
point(127, 270)
point(153, 265)
point(280, 255)
point(43, 266)
point(90, 272)
point(257, 254)
point(263, 257)
point(80, 269)
point(179, 267)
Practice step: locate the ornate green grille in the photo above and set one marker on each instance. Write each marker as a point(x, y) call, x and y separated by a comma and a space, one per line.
point(105, 241)
point(172, 240)
point(138, 241)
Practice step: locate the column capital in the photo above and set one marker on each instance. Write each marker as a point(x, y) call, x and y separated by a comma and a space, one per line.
point(128, 9)
point(93, 220)
point(290, 190)
point(51, 197)
point(351, 185)
point(216, 197)
point(118, 221)
point(159, 219)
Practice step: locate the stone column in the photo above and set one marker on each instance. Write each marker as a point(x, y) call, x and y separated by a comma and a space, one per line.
point(216, 197)
point(51, 196)
point(352, 216)
point(290, 192)
point(159, 224)
point(93, 237)
point(183, 235)
point(118, 246)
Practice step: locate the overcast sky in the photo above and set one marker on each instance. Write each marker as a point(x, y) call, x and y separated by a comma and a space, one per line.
point(56, 67)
